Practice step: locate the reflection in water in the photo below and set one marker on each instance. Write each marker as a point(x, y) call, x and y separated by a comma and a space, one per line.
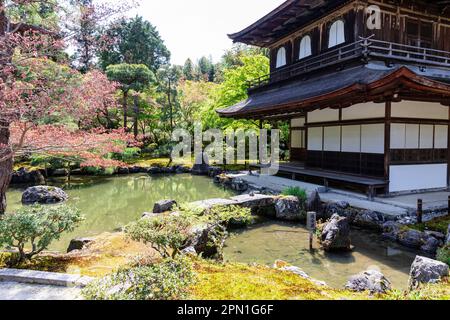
point(109, 203)
point(277, 241)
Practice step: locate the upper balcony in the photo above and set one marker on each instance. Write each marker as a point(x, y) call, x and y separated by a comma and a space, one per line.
point(364, 49)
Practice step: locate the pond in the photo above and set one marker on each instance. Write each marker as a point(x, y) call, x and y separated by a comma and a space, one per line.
point(109, 203)
point(271, 241)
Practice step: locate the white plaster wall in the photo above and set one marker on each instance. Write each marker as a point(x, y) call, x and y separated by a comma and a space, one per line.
point(351, 138)
point(297, 139)
point(419, 110)
point(417, 177)
point(323, 115)
point(298, 122)
point(372, 138)
point(426, 136)
point(441, 137)
point(315, 139)
point(412, 136)
point(368, 110)
point(332, 139)
point(398, 135)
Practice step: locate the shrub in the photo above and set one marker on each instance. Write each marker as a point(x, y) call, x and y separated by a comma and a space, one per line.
point(443, 254)
point(127, 155)
point(33, 228)
point(168, 280)
point(296, 192)
point(231, 216)
point(166, 233)
point(300, 194)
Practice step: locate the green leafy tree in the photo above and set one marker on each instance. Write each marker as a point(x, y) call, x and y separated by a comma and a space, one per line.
point(168, 78)
point(135, 41)
point(134, 77)
point(166, 234)
point(234, 89)
point(188, 70)
point(32, 229)
point(206, 69)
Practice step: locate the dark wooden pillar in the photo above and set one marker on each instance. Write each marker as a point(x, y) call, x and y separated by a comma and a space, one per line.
point(306, 138)
point(387, 142)
point(448, 150)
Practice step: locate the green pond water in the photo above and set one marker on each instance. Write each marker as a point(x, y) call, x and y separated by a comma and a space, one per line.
point(109, 203)
point(270, 241)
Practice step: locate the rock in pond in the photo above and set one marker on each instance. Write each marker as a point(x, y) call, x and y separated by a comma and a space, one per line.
point(154, 170)
point(369, 220)
point(164, 206)
point(123, 170)
point(336, 234)
point(59, 173)
point(288, 208)
point(425, 270)
point(412, 238)
point(431, 245)
point(23, 176)
point(79, 244)
point(239, 185)
point(391, 230)
point(43, 195)
point(370, 280)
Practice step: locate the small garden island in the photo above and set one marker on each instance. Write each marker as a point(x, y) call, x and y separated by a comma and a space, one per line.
point(94, 206)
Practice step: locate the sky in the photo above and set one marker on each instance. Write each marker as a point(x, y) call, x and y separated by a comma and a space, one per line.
point(196, 28)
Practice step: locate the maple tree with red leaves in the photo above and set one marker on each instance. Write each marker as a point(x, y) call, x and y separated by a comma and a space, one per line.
point(35, 92)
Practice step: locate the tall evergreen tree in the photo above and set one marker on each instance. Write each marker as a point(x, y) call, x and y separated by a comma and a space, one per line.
point(188, 70)
point(135, 41)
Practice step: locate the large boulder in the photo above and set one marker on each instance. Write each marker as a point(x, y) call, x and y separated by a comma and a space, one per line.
point(208, 240)
point(370, 280)
point(336, 234)
point(23, 176)
point(79, 244)
point(412, 238)
point(43, 195)
point(369, 220)
point(425, 270)
point(260, 204)
point(164, 206)
point(288, 208)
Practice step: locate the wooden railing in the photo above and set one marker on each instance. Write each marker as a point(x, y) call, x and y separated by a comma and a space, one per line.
point(364, 48)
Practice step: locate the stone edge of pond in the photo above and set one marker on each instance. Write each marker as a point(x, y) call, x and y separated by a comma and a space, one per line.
point(44, 278)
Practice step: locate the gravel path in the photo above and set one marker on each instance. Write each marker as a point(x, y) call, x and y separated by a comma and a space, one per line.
point(22, 291)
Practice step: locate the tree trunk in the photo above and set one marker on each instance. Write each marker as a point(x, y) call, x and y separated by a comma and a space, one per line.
point(125, 110)
point(6, 166)
point(136, 115)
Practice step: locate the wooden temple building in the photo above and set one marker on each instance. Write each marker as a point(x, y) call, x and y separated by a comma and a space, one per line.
point(367, 106)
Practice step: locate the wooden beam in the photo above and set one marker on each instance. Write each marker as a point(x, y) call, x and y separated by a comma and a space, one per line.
point(387, 143)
